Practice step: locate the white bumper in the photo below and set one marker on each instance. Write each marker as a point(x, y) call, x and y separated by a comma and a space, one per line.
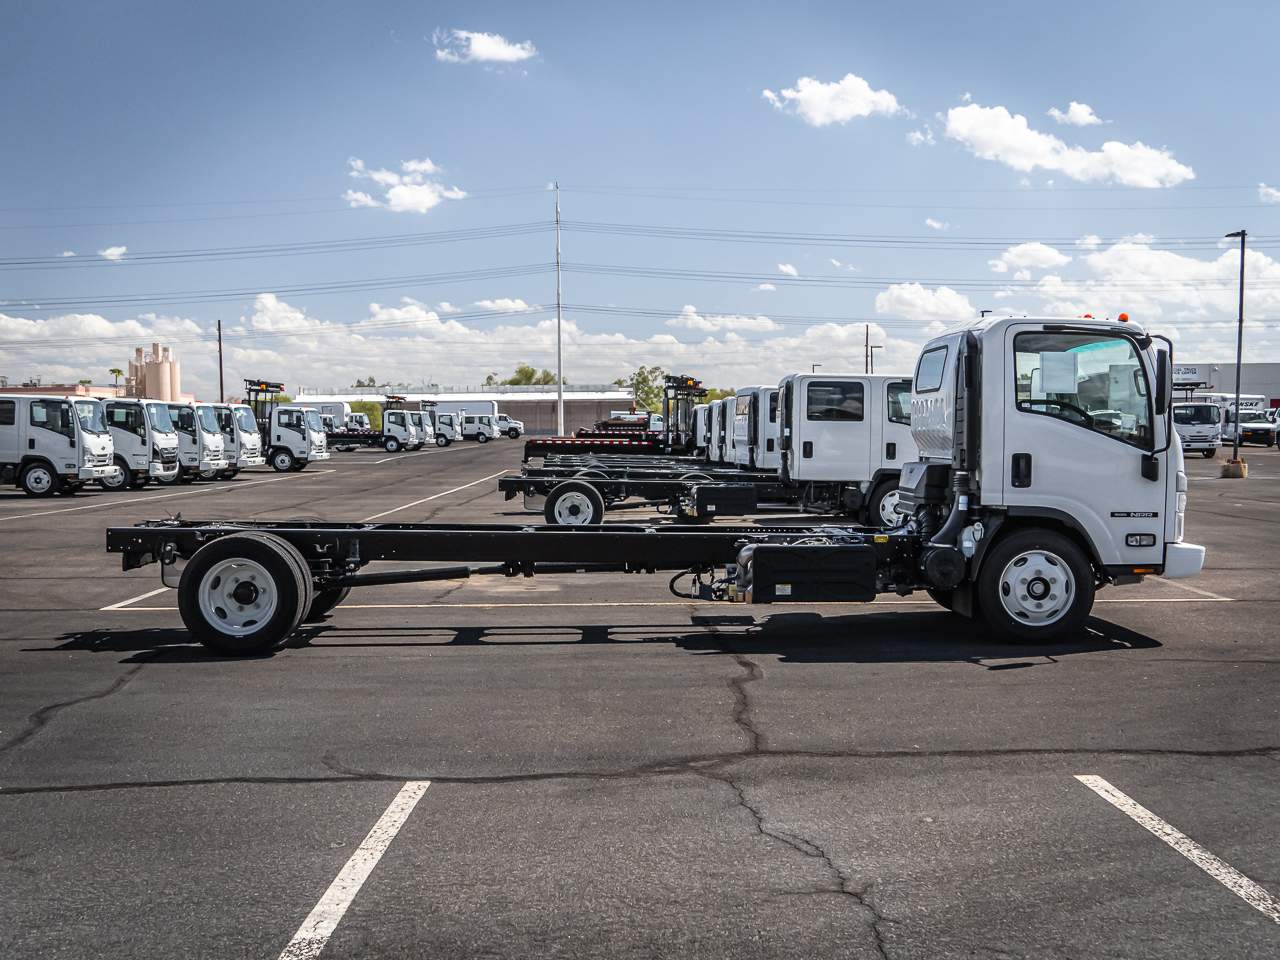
point(1197, 445)
point(205, 466)
point(1183, 560)
point(95, 472)
point(318, 455)
point(247, 460)
point(162, 471)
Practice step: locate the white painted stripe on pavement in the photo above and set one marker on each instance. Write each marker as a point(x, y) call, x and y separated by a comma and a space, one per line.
point(403, 456)
point(434, 496)
point(1190, 589)
point(124, 603)
point(1231, 878)
point(314, 934)
point(120, 502)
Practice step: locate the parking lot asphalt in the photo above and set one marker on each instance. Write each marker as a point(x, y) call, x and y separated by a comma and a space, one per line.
point(589, 766)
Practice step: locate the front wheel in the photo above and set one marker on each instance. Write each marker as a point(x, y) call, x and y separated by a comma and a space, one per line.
point(282, 461)
point(39, 480)
point(513, 433)
point(482, 437)
point(1035, 586)
point(1208, 454)
point(442, 440)
point(391, 445)
point(118, 479)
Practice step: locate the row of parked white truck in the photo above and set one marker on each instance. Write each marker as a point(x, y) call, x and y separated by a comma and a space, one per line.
point(411, 425)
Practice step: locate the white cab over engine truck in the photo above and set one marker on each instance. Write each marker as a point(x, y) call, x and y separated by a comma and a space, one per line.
point(53, 445)
point(478, 427)
point(295, 438)
point(448, 428)
point(145, 444)
point(1022, 505)
point(755, 428)
point(241, 438)
point(200, 448)
point(701, 429)
point(397, 431)
point(715, 431)
point(1199, 426)
point(845, 438)
point(422, 431)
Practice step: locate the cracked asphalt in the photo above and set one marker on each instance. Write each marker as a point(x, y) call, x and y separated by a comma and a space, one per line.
point(616, 772)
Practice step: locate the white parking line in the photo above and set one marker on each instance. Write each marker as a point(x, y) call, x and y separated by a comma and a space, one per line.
point(403, 456)
point(1227, 875)
point(1190, 589)
point(434, 496)
point(324, 918)
point(124, 603)
point(120, 502)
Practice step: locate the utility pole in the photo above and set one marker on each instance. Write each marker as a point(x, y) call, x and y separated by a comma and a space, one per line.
point(222, 393)
point(559, 322)
point(1235, 444)
point(866, 349)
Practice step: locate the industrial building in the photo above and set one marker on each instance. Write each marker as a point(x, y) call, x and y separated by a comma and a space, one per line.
point(1259, 378)
point(157, 375)
point(535, 405)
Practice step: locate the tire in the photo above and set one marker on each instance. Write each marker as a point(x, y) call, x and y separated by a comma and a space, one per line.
point(1020, 617)
point(879, 507)
point(170, 481)
point(391, 445)
point(441, 440)
point(282, 461)
point(482, 438)
point(298, 466)
point(237, 620)
point(325, 600)
point(70, 488)
point(229, 474)
point(1208, 454)
point(513, 433)
point(121, 480)
point(942, 598)
point(185, 476)
point(573, 503)
point(208, 476)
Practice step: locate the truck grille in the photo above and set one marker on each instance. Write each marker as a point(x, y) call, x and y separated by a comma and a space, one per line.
point(169, 456)
point(100, 460)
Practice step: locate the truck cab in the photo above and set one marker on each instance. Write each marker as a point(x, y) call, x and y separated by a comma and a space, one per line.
point(358, 421)
point(200, 446)
point(145, 444)
point(397, 431)
point(1199, 427)
point(701, 428)
point(478, 427)
point(448, 428)
point(846, 437)
point(421, 423)
point(295, 437)
point(508, 427)
point(1254, 425)
point(242, 441)
point(53, 445)
point(755, 428)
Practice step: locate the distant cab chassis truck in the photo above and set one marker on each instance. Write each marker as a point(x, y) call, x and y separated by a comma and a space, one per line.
point(1048, 468)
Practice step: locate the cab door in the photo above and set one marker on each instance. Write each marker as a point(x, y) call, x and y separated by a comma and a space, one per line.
point(52, 433)
point(1078, 421)
point(833, 440)
point(896, 446)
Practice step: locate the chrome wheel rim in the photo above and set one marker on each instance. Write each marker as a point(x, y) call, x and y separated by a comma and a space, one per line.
point(282, 461)
point(573, 508)
point(114, 480)
point(888, 509)
point(1037, 588)
point(237, 596)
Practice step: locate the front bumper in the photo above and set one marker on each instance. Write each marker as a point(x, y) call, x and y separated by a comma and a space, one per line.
point(96, 472)
point(1197, 445)
point(318, 455)
point(163, 471)
point(244, 460)
point(1183, 560)
point(206, 466)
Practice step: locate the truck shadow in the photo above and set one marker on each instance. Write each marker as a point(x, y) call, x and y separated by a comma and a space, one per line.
point(794, 637)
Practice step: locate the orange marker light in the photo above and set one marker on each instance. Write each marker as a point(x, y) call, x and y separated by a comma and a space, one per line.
point(1087, 316)
point(1123, 318)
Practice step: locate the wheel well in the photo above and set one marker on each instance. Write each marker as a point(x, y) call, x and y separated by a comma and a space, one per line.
point(1012, 524)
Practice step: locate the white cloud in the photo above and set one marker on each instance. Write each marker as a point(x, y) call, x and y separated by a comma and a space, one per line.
point(67, 253)
point(1024, 256)
point(447, 307)
point(1268, 194)
point(916, 302)
point(1076, 115)
point(933, 224)
point(993, 133)
point(411, 190)
point(766, 286)
point(921, 138)
point(788, 269)
point(839, 101)
point(966, 97)
point(469, 46)
point(834, 262)
point(504, 305)
point(1090, 241)
point(113, 253)
point(690, 319)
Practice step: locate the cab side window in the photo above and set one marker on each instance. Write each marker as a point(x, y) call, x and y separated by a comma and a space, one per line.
point(835, 400)
point(126, 417)
point(8, 413)
point(1094, 381)
point(184, 420)
point(52, 415)
point(899, 402)
point(290, 420)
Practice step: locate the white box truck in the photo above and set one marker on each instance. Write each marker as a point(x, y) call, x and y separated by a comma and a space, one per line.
point(145, 444)
point(53, 445)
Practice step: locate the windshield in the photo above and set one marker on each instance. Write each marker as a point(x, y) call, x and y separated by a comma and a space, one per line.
point(244, 419)
point(1248, 416)
point(91, 415)
point(313, 421)
point(416, 419)
point(1200, 414)
point(158, 414)
point(208, 422)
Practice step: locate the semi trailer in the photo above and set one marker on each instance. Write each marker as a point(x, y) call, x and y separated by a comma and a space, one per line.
point(53, 445)
point(1020, 506)
point(144, 442)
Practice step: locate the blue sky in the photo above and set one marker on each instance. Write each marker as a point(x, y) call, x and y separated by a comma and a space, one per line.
point(163, 127)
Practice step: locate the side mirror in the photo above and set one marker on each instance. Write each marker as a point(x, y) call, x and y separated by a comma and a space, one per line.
point(1164, 382)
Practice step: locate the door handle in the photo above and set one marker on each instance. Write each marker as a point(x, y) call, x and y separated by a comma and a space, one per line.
point(807, 449)
point(891, 451)
point(1021, 473)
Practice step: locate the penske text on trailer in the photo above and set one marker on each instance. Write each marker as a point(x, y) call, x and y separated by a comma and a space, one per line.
point(1021, 505)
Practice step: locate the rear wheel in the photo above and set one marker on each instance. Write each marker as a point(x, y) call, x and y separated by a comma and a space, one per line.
point(282, 461)
point(573, 503)
point(1035, 586)
point(244, 594)
point(513, 433)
